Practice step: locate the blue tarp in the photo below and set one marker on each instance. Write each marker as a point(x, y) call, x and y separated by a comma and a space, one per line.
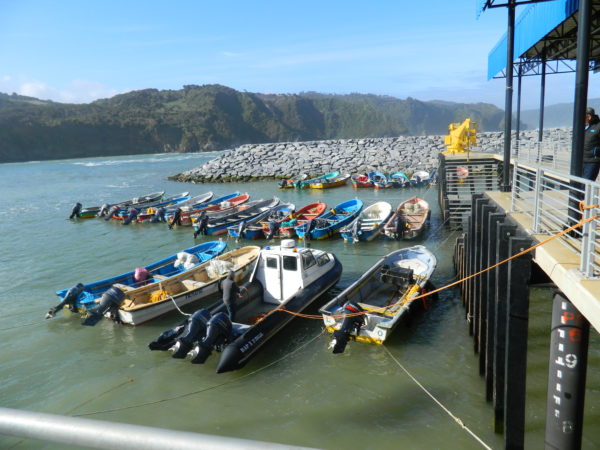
point(531, 26)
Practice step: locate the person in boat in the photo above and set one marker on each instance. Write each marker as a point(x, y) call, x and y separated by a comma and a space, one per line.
point(202, 225)
point(231, 292)
point(68, 301)
point(176, 219)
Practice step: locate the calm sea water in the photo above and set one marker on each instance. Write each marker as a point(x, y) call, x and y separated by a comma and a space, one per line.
point(294, 391)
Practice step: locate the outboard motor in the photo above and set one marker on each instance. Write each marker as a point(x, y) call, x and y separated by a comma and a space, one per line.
point(176, 218)
point(167, 339)
point(309, 227)
point(76, 210)
point(400, 227)
point(350, 324)
point(69, 300)
point(110, 302)
point(218, 333)
point(112, 211)
point(133, 213)
point(195, 330)
point(159, 215)
point(241, 229)
point(273, 229)
point(356, 229)
point(103, 210)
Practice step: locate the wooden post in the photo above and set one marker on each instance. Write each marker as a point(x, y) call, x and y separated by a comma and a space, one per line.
point(517, 315)
point(503, 233)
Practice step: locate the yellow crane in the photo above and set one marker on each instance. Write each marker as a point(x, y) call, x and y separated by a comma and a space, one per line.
point(461, 138)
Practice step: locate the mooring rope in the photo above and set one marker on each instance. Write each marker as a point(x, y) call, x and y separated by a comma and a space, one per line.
point(175, 303)
point(188, 394)
point(424, 389)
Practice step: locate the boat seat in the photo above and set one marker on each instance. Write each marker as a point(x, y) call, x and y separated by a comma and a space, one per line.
point(159, 277)
point(192, 284)
point(123, 287)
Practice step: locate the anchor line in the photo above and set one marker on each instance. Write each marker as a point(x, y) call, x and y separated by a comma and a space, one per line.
point(188, 394)
point(424, 389)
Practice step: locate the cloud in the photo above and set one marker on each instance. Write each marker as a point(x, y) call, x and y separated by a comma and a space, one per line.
point(76, 91)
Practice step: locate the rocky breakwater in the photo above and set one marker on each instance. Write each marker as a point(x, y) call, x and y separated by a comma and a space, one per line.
point(285, 159)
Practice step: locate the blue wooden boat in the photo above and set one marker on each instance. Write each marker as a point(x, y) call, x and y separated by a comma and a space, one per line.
point(399, 180)
point(159, 270)
point(253, 228)
point(303, 184)
point(329, 223)
point(368, 224)
point(191, 203)
point(379, 180)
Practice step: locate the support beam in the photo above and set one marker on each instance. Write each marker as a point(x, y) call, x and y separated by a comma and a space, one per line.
point(510, 50)
point(542, 100)
point(566, 375)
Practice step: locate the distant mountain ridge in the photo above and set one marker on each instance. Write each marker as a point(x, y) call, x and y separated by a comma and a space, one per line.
point(214, 117)
point(555, 116)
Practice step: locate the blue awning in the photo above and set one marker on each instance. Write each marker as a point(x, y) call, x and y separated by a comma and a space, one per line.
point(532, 25)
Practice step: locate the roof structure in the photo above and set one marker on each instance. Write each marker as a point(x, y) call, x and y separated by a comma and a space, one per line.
point(544, 32)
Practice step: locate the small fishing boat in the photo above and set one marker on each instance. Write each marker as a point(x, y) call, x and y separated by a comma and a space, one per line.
point(191, 203)
point(128, 212)
point(290, 183)
point(303, 215)
point(188, 216)
point(329, 223)
point(166, 267)
point(135, 306)
point(420, 178)
point(368, 224)
point(285, 281)
point(361, 181)
point(379, 180)
point(409, 219)
point(94, 211)
point(253, 228)
point(303, 184)
point(218, 222)
point(332, 182)
point(399, 179)
point(370, 308)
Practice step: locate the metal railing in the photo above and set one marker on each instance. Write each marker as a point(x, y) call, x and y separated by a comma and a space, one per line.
point(110, 435)
point(552, 199)
point(550, 154)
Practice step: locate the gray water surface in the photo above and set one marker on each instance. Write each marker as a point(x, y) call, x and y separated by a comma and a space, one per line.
point(294, 391)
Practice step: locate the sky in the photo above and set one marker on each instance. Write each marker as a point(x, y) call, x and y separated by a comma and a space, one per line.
point(77, 51)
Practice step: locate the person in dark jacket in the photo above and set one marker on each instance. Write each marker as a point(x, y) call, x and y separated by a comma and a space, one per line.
point(230, 292)
point(591, 146)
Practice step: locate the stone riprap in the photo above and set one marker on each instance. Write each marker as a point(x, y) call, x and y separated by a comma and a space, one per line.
point(285, 159)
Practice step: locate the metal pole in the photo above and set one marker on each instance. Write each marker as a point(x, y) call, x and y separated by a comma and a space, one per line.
point(581, 85)
point(510, 50)
point(519, 82)
point(542, 98)
point(566, 378)
point(110, 435)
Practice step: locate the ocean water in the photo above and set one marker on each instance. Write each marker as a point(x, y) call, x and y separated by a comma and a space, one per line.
point(295, 391)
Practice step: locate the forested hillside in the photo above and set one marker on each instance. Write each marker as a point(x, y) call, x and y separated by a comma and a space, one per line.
point(214, 117)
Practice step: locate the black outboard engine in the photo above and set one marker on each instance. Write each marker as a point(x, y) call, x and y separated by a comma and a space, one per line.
point(112, 211)
point(312, 224)
point(195, 329)
point(167, 339)
point(159, 215)
point(400, 227)
point(109, 303)
point(241, 229)
point(218, 333)
point(350, 324)
point(103, 210)
point(76, 210)
point(176, 218)
point(273, 229)
point(133, 213)
point(356, 229)
point(69, 300)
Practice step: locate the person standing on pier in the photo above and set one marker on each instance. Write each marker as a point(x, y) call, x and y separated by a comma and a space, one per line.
point(591, 146)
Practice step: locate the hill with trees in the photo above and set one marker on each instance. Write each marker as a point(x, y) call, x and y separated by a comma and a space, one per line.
point(215, 117)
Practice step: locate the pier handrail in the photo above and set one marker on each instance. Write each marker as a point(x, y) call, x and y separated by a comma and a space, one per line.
point(555, 200)
point(99, 434)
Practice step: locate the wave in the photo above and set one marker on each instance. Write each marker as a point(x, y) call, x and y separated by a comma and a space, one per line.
point(158, 158)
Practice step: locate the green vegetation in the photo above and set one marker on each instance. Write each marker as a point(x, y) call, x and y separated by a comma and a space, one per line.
point(214, 117)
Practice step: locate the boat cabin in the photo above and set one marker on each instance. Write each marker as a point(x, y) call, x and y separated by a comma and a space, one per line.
point(285, 269)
